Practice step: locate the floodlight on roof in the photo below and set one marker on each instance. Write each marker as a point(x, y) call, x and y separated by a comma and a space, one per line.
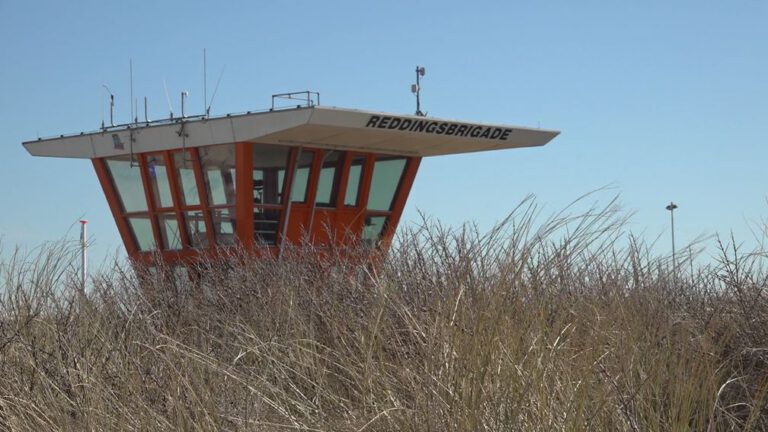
point(416, 88)
point(111, 107)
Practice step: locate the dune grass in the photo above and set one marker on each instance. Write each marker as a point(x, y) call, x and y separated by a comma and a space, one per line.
point(565, 324)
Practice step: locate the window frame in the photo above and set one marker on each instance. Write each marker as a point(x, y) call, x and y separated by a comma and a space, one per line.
point(244, 208)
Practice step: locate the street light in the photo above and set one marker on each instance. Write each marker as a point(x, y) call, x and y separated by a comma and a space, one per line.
point(671, 207)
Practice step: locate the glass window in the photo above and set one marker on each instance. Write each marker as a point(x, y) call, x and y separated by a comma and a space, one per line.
point(158, 177)
point(265, 224)
point(142, 232)
point(185, 175)
point(223, 226)
point(198, 235)
point(301, 178)
point(386, 177)
point(374, 227)
point(269, 164)
point(169, 231)
point(353, 185)
point(218, 164)
point(328, 181)
point(127, 181)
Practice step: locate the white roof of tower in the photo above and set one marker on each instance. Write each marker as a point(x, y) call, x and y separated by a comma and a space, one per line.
point(316, 126)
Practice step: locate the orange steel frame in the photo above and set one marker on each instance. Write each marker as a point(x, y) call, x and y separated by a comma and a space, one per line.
point(340, 220)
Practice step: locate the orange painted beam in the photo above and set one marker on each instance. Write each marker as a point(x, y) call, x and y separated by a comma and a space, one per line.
point(401, 197)
point(244, 194)
point(176, 195)
point(102, 173)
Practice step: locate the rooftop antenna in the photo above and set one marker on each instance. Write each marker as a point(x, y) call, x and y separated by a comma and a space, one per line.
point(215, 89)
point(184, 95)
point(168, 98)
point(182, 132)
point(111, 107)
point(146, 112)
point(416, 89)
point(205, 84)
point(130, 73)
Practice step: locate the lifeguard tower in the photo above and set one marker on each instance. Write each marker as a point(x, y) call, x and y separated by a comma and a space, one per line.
point(185, 188)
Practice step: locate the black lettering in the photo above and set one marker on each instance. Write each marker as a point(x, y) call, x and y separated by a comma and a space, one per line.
point(372, 121)
point(441, 128)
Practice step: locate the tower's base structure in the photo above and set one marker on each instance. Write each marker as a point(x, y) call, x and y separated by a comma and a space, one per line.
point(185, 189)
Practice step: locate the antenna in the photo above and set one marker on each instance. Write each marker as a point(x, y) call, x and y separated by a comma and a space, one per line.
point(168, 98)
point(146, 115)
point(130, 73)
point(184, 95)
point(208, 110)
point(205, 83)
point(416, 89)
point(111, 106)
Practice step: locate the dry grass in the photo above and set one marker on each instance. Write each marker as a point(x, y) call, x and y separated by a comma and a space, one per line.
point(564, 325)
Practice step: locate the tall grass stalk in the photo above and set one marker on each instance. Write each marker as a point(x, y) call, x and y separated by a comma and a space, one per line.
point(568, 324)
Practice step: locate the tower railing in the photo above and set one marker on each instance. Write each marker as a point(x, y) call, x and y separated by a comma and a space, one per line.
point(306, 98)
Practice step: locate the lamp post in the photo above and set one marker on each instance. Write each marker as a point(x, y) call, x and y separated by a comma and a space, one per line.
point(671, 207)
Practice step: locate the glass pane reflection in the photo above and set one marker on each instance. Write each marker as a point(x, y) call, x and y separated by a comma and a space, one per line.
point(373, 229)
point(169, 231)
point(127, 180)
point(223, 226)
point(353, 185)
point(142, 231)
point(269, 165)
point(301, 178)
point(158, 177)
point(218, 163)
point(327, 183)
point(185, 174)
point(386, 178)
point(198, 235)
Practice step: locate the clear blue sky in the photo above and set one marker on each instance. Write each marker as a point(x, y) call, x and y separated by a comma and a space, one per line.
point(663, 100)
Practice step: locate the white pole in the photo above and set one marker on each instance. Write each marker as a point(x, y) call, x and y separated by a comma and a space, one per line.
point(671, 207)
point(83, 254)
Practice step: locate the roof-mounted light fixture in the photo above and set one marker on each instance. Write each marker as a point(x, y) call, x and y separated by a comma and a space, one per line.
point(416, 89)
